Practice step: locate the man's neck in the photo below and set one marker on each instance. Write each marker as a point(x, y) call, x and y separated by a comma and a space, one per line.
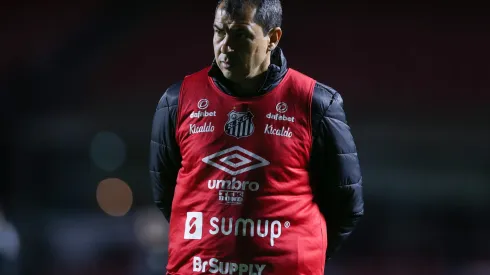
point(251, 86)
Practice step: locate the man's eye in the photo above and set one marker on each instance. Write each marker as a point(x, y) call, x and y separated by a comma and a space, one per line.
point(219, 32)
point(240, 35)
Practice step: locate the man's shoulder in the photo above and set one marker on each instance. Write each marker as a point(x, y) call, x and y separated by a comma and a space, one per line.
point(171, 95)
point(202, 73)
point(323, 97)
point(321, 91)
point(324, 90)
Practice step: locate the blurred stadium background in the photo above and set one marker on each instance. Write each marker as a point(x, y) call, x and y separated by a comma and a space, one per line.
point(80, 81)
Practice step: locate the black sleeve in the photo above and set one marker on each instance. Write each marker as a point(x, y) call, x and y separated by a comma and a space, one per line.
point(334, 167)
point(165, 159)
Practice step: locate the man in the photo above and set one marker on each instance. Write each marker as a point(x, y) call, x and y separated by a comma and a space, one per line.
point(252, 162)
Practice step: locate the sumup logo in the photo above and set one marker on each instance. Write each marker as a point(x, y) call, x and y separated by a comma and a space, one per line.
point(271, 230)
point(239, 124)
point(193, 226)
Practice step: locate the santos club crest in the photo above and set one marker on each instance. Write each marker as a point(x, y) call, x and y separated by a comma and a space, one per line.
point(239, 124)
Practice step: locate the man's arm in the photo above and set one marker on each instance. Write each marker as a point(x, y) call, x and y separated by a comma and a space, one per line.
point(335, 169)
point(165, 159)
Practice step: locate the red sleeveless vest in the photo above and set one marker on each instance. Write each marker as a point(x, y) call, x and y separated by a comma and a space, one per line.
point(243, 202)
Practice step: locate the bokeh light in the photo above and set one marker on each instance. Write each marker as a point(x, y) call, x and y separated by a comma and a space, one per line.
point(114, 197)
point(9, 240)
point(108, 151)
point(151, 228)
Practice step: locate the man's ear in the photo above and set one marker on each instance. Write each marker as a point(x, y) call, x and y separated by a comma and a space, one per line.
point(275, 35)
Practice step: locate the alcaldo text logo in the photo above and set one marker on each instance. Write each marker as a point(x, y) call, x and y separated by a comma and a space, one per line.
point(214, 265)
point(204, 128)
point(239, 124)
point(282, 132)
point(202, 105)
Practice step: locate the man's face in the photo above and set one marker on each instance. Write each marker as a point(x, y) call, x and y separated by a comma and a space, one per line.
point(240, 47)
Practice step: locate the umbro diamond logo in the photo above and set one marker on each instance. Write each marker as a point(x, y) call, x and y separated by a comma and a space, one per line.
point(235, 160)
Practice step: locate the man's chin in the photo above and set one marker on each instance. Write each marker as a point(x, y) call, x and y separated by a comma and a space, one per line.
point(231, 76)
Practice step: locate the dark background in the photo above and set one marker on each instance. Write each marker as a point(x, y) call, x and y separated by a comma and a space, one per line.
point(80, 82)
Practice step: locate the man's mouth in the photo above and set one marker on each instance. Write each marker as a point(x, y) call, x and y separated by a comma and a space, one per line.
point(226, 64)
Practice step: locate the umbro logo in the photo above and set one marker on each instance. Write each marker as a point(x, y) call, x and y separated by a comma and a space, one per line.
point(235, 160)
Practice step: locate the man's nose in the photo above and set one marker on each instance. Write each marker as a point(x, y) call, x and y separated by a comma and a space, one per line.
point(225, 45)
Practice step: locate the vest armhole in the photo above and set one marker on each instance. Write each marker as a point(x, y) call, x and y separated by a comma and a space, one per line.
point(311, 90)
point(179, 108)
